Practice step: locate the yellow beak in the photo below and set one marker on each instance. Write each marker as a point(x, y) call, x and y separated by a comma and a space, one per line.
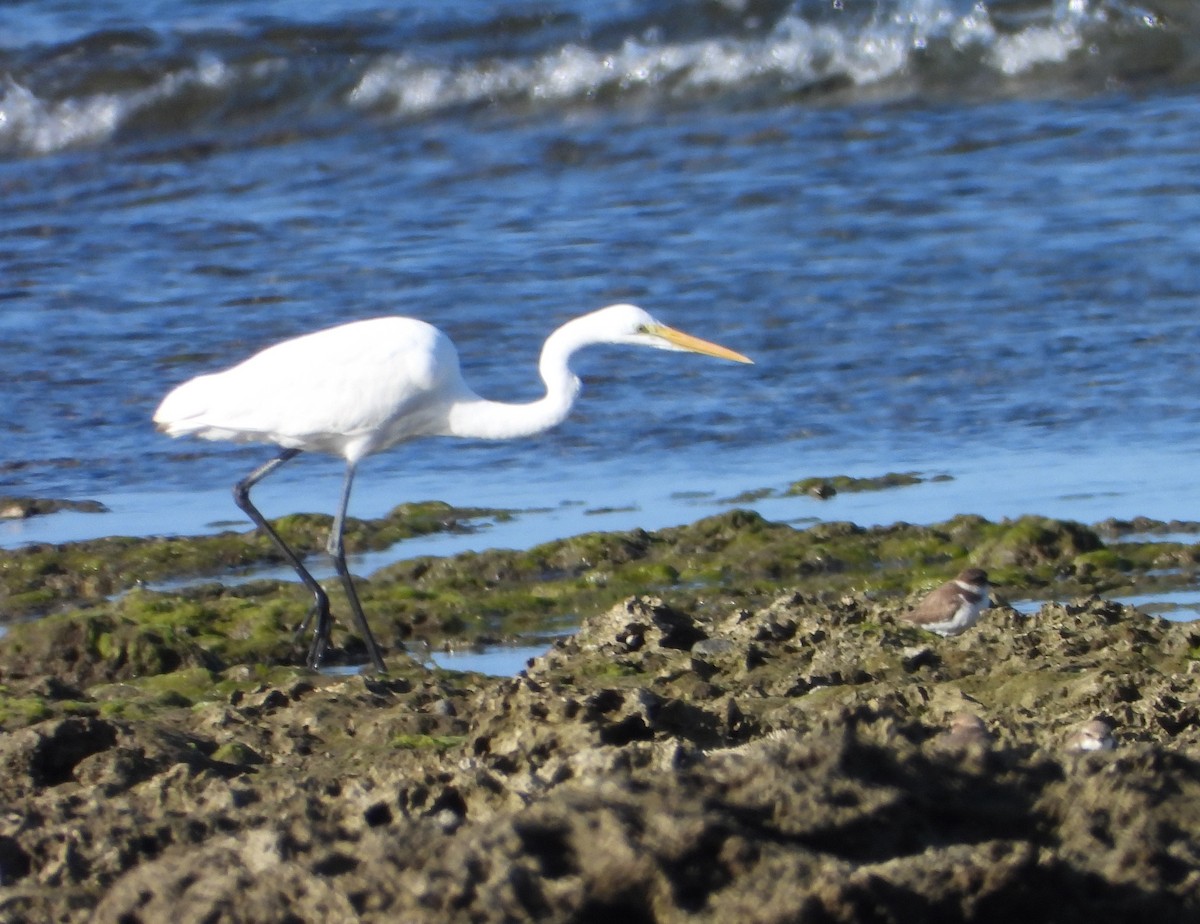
point(696, 345)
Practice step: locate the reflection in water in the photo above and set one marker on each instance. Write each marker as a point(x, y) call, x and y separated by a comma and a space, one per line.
point(500, 661)
point(1175, 605)
point(494, 661)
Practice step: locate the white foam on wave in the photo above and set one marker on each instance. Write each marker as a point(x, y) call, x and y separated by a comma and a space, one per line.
point(795, 54)
point(797, 51)
point(32, 125)
point(1034, 47)
point(852, 47)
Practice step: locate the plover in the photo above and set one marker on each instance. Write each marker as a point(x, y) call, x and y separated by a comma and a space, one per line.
point(965, 730)
point(1094, 735)
point(955, 606)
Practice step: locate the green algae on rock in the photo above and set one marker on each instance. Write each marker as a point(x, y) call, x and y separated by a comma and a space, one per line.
point(824, 488)
point(506, 594)
point(38, 578)
point(20, 508)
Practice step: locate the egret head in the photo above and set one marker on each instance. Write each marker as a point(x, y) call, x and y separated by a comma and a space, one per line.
point(630, 324)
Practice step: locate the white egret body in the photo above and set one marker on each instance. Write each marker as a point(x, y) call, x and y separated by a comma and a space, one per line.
point(363, 387)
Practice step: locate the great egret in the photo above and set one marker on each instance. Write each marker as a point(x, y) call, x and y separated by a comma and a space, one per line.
point(362, 387)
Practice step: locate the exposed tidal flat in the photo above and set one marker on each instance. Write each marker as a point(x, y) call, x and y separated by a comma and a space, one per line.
point(733, 723)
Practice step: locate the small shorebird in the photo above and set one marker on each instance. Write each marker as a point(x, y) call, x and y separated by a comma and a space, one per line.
point(1094, 735)
point(965, 730)
point(955, 606)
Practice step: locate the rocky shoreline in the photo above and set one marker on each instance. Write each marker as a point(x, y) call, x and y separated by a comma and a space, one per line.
point(743, 729)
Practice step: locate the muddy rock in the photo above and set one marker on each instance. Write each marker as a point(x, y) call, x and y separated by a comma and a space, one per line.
point(799, 755)
point(50, 753)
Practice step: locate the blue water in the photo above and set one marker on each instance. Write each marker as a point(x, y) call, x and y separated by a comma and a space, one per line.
point(954, 241)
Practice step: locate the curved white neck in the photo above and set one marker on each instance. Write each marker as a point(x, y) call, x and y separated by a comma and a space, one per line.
point(494, 420)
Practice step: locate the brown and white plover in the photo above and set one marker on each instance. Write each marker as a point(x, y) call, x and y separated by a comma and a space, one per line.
point(955, 606)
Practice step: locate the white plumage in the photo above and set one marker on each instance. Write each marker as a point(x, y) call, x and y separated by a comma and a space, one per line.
point(365, 386)
point(347, 391)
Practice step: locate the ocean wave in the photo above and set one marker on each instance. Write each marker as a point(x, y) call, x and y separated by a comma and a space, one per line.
point(146, 84)
point(32, 125)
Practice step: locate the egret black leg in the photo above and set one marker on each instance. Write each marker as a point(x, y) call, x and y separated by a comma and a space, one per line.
point(337, 549)
point(320, 606)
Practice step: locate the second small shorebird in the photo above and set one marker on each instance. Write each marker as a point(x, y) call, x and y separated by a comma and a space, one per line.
point(1095, 735)
point(964, 731)
point(955, 606)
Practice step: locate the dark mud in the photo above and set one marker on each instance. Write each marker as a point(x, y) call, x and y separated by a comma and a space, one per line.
point(761, 739)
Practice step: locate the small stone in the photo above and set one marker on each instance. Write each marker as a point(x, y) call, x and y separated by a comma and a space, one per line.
point(712, 647)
